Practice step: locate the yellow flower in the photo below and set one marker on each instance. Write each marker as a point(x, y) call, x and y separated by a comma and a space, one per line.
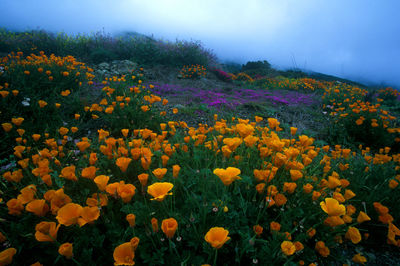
point(227, 175)
point(217, 237)
point(160, 190)
point(332, 207)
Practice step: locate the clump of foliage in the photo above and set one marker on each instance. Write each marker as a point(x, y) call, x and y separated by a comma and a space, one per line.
point(100, 47)
point(257, 68)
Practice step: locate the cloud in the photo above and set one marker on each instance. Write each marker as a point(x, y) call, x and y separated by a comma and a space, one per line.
point(353, 39)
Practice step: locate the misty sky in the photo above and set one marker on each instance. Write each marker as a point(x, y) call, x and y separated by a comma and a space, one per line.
point(357, 39)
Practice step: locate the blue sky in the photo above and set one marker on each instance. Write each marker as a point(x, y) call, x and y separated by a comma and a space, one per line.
point(357, 39)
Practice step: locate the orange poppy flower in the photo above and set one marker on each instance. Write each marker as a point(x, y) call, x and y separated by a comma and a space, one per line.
point(6, 256)
point(126, 191)
point(154, 224)
point(42, 103)
point(38, 207)
point(124, 255)
point(69, 214)
point(14, 206)
point(65, 93)
point(101, 181)
point(144, 108)
point(362, 217)
point(66, 250)
point(258, 229)
point(160, 172)
point(131, 219)
point(217, 237)
point(134, 242)
point(27, 194)
point(288, 248)
point(227, 175)
point(123, 163)
point(92, 158)
point(89, 172)
point(289, 187)
point(57, 199)
point(36, 137)
point(322, 249)
point(89, 214)
point(125, 132)
point(274, 226)
point(295, 174)
point(97, 200)
point(353, 234)
point(83, 145)
point(17, 121)
point(46, 231)
point(160, 190)
point(143, 179)
point(169, 227)
point(69, 173)
point(358, 258)
point(332, 207)
point(280, 199)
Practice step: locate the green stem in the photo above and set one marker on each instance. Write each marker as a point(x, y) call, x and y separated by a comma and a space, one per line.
point(215, 258)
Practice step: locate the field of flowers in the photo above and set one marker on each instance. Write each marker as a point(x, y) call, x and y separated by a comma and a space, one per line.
point(94, 174)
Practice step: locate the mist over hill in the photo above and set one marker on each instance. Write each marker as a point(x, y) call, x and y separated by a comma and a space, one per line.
point(357, 40)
